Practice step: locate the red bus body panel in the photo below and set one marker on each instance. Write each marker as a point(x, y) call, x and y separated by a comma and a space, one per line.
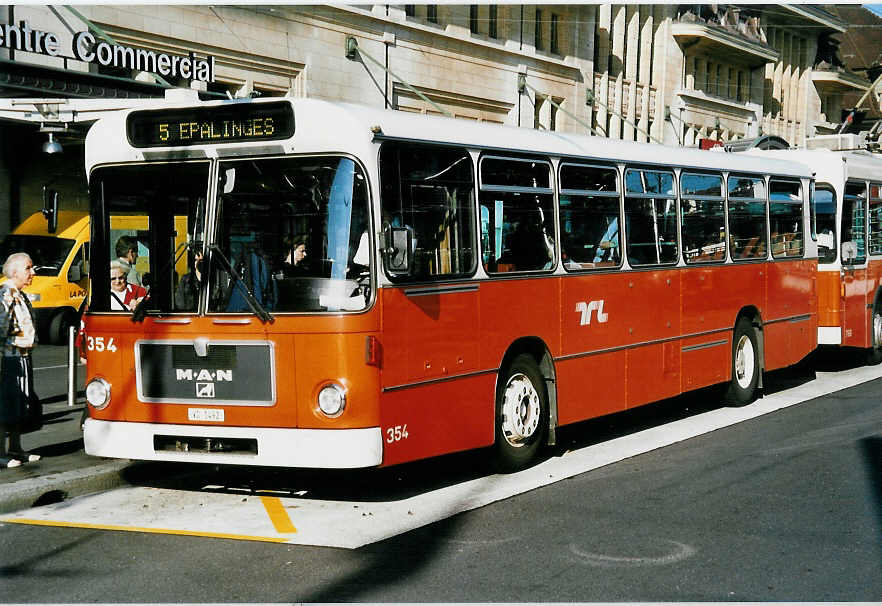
point(829, 298)
point(647, 335)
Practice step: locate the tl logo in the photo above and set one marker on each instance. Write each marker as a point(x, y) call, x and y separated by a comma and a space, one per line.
point(586, 309)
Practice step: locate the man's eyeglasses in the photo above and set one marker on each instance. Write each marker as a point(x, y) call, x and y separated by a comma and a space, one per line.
point(117, 278)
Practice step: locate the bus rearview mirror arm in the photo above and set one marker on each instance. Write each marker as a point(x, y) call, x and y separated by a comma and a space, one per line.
point(399, 243)
point(849, 253)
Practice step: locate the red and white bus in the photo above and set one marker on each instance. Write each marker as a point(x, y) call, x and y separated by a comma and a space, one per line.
point(463, 286)
point(847, 213)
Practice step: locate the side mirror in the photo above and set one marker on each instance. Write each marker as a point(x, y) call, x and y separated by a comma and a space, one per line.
point(849, 253)
point(399, 243)
point(74, 274)
point(50, 209)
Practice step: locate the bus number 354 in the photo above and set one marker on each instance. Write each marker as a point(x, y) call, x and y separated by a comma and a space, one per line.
point(99, 344)
point(396, 434)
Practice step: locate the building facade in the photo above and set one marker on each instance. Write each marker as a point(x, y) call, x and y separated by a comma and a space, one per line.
point(658, 73)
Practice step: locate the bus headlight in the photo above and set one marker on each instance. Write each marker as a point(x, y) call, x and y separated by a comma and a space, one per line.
point(332, 400)
point(33, 297)
point(98, 393)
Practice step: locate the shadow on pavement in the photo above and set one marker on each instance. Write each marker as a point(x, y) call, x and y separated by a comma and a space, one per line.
point(872, 451)
point(410, 479)
point(60, 449)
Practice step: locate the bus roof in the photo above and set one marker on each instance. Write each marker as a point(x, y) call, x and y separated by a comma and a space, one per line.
point(352, 128)
point(832, 166)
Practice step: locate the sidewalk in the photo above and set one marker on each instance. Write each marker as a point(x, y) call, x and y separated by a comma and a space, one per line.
point(65, 469)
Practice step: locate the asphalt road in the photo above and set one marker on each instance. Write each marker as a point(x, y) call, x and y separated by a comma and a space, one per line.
point(784, 507)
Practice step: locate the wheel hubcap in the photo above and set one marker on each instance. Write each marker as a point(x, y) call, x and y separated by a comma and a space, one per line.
point(520, 410)
point(744, 362)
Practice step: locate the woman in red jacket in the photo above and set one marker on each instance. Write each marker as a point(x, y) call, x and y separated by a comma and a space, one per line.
point(123, 296)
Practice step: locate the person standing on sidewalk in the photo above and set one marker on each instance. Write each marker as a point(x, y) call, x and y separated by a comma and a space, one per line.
point(17, 338)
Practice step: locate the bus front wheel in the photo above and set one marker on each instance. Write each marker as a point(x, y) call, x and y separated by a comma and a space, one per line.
point(521, 414)
point(745, 364)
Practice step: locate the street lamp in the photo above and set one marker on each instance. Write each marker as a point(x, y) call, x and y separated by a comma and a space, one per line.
point(52, 146)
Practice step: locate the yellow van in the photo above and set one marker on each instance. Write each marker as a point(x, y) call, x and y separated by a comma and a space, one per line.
point(61, 264)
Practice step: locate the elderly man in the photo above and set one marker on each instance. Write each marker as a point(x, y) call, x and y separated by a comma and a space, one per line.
point(127, 251)
point(18, 335)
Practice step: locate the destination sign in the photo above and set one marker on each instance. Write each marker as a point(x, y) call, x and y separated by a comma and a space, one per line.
point(216, 124)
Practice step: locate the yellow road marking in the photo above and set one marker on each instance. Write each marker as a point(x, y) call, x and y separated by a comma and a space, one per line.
point(191, 533)
point(279, 517)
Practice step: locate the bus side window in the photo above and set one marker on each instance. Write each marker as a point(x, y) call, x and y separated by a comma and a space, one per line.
point(702, 217)
point(785, 214)
point(589, 217)
point(517, 214)
point(747, 217)
point(429, 190)
point(854, 209)
point(651, 217)
point(875, 213)
point(825, 219)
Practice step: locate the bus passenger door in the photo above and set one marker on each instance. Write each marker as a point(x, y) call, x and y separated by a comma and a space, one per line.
point(855, 327)
point(432, 400)
point(853, 253)
point(430, 348)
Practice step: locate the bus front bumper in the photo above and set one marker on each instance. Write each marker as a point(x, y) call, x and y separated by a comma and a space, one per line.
point(263, 446)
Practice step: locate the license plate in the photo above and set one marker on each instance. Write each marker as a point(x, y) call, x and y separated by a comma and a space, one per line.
point(205, 414)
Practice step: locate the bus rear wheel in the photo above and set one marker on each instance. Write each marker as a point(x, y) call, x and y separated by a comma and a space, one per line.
point(745, 365)
point(874, 353)
point(521, 414)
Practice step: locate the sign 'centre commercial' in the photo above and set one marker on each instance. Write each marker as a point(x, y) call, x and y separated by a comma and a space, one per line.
point(85, 47)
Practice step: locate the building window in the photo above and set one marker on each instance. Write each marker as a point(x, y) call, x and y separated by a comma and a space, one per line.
point(432, 13)
point(537, 112)
point(555, 49)
point(473, 18)
point(538, 33)
point(493, 22)
point(410, 10)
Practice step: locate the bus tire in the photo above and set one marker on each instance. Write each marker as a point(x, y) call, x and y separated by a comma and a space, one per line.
point(521, 414)
point(874, 353)
point(745, 365)
point(59, 326)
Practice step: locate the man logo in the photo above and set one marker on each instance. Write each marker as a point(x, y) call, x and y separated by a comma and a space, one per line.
point(187, 374)
point(204, 390)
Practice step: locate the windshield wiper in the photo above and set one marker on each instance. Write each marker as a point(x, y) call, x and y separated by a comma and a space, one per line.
point(256, 308)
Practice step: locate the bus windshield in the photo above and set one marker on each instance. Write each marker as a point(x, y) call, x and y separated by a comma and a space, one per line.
point(295, 230)
point(291, 235)
point(145, 219)
point(47, 252)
